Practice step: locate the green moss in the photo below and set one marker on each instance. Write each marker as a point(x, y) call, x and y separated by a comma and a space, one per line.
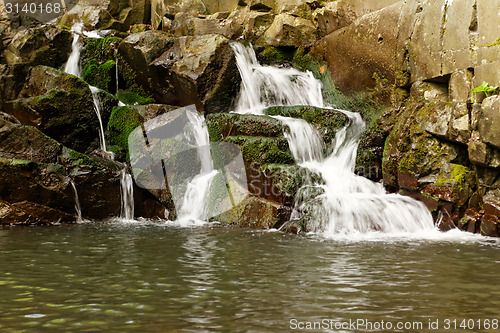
point(132, 98)
point(102, 76)
point(495, 43)
point(101, 49)
point(273, 55)
point(214, 132)
point(263, 150)
point(122, 122)
point(129, 77)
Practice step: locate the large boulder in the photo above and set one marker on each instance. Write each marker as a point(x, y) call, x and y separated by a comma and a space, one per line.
point(186, 24)
point(288, 30)
point(41, 45)
point(362, 52)
point(27, 143)
point(60, 105)
point(44, 184)
point(116, 14)
point(44, 169)
point(97, 182)
point(253, 212)
point(198, 70)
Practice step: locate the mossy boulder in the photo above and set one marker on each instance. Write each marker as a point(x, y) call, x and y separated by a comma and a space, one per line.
point(263, 150)
point(98, 62)
point(97, 181)
point(101, 76)
point(253, 212)
point(122, 122)
point(221, 125)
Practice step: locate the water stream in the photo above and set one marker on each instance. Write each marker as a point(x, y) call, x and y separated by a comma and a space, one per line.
point(127, 195)
point(346, 204)
point(194, 207)
point(78, 207)
point(73, 67)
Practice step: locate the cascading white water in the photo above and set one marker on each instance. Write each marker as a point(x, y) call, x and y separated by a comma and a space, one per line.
point(263, 86)
point(127, 195)
point(195, 202)
point(97, 109)
point(73, 64)
point(78, 208)
point(345, 204)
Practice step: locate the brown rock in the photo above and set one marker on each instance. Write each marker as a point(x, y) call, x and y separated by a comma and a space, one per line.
point(489, 225)
point(489, 123)
point(253, 212)
point(27, 143)
point(366, 47)
point(491, 202)
point(26, 212)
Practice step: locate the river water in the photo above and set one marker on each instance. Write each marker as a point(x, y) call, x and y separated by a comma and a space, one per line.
point(152, 277)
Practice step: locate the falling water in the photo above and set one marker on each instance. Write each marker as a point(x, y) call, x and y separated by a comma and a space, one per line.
point(73, 64)
point(345, 204)
point(127, 195)
point(195, 202)
point(97, 109)
point(78, 208)
point(263, 86)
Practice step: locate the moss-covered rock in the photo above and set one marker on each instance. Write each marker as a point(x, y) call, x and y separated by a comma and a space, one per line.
point(253, 212)
point(102, 76)
point(122, 122)
point(263, 150)
point(222, 125)
point(97, 181)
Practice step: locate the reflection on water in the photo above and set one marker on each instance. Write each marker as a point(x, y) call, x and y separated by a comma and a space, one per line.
point(150, 277)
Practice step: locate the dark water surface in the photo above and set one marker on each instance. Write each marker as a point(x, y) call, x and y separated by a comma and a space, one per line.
point(118, 277)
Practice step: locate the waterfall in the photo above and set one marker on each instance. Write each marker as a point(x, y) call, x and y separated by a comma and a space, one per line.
point(73, 64)
point(345, 204)
point(263, 86)
point(194, 206)
point(97, 109)
point(78, 208)
point(127, 195)
point(73, 67)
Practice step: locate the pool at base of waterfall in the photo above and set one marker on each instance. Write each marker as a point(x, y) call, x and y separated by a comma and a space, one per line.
point(159, 277)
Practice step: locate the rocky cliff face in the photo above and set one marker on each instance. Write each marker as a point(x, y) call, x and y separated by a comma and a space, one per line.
point(418, 60)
